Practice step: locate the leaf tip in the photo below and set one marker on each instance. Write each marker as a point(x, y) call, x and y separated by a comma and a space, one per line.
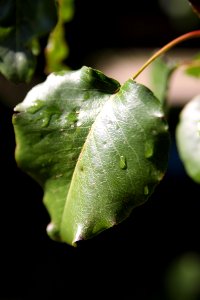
point(78, 235)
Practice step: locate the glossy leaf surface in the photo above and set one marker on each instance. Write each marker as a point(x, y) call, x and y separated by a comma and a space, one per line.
point(97, 149)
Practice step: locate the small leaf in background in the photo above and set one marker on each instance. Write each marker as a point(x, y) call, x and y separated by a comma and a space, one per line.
point(161, 71)
point(22, 23)
point(57, 49)
point(196, 6)
point(188, 138)
point(193, 68)
point(96, 148)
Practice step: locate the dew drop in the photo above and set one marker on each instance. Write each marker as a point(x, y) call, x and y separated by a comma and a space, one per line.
point(160, 176)
point(123, 162)
point(148, 150)
point(158, 114)
point(35, 107)
point(53, 231)
point(109, 123)
point(81, 168)
point(154, 132)
point(79, 123)
point(104, 145)
point(58, 175)
point(45, 122)
point(146, 190)
point(166, 127)
point(72, 117)
point(50, 227)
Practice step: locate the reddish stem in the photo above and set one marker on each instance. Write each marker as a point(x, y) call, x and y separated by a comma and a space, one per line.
point(180, 39)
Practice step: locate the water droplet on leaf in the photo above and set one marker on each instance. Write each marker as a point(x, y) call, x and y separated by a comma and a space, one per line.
point(72, 117)
point(158, 114)
point(45, 122)
point(59, 175)
point(146, 190)
point(154, 132)
point(123, 162)
point(160, 176)
point(81, 167)
point(148, 150)
point(53, 231)
point(79, 124)
point(36, 106)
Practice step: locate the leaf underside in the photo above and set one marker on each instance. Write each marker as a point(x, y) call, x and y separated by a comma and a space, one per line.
point(188, 138)
point(97, 149)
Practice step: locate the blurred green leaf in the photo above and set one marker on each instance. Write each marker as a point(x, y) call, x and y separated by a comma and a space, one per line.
point(183, 278)
point(161, 71)
point(21, 24)
point(193, 68)
point(96, 148)
point(57, 49)
point(188, 138)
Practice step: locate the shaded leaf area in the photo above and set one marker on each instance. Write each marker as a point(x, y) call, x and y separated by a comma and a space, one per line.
point(196, 6)
point(188, 138)
point(22, 23)
point(193, 68)
point(57, 49)
point(97, 149)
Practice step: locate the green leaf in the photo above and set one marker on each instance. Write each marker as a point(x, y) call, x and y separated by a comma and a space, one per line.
point(57, 49)
point(188, 138)
point(193, 68)
point(57, 115)
point(96, 148)
point(21, 24)
point(161, 71)
point(183, 277)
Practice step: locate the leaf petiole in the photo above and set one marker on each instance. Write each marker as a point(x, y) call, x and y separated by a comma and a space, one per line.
point(180, 39)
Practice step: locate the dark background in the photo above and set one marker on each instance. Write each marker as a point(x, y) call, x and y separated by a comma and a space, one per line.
point(131, 260)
